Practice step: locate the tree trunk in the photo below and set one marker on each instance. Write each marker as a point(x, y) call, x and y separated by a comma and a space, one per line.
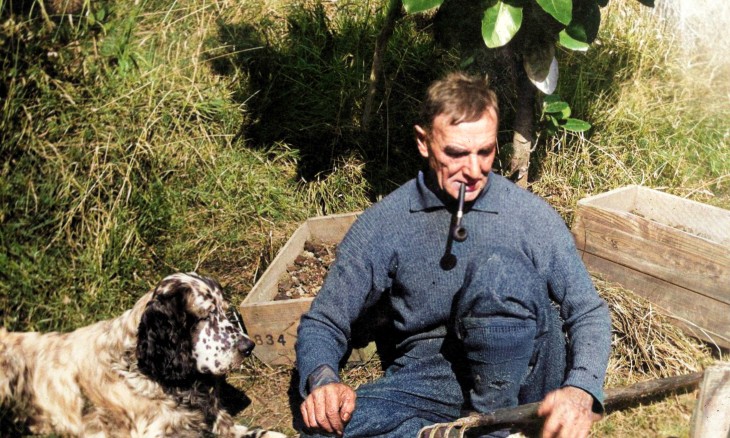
point(523, 127)
point(394, 12)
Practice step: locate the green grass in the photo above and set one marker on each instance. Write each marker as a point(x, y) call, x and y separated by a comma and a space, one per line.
point(656, 121)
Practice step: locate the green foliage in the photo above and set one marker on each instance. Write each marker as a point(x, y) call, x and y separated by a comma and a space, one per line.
point(500, 24)
point(571, 43)
point(414, 6)
point(584, 24)
point(561, 10)
point(556, 116)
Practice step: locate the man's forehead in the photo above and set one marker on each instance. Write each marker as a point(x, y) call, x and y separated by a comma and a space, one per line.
point(454, 118)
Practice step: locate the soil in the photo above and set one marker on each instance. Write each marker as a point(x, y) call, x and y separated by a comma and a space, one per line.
point(304, 277)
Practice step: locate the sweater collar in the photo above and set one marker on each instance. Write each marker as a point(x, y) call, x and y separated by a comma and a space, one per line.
point(427, 198)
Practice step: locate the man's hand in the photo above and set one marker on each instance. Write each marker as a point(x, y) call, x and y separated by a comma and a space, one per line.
point(568, 413)
point(329, 408)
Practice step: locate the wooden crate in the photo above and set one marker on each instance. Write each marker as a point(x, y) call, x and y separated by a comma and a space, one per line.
point(273, 324)
point(670, 250)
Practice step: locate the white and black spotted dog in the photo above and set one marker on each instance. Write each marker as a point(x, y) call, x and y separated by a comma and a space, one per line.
point(154, 371)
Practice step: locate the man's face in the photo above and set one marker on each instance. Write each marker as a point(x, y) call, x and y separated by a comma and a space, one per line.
point(460, 153)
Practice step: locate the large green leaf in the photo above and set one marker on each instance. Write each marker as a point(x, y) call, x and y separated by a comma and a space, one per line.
point(576, 125)
point(558, 107)
point(602, 3)
point(561, 10)
point(571, 43)
point(413, 6)
point(586, 21)
point(500, 23)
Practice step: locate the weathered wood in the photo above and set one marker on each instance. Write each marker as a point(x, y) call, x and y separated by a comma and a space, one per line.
point(702, 219)
point(265, 287)
point(331, 229)
point(651, 390)
point(664, 252)
point(699, 316)
point(711, 417)
point(273, 324)
point(526, 415)
point(673, 251)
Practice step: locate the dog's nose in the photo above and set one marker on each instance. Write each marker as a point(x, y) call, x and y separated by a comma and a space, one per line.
point(245, 346)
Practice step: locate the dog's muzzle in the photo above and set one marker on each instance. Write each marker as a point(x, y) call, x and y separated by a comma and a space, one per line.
point(244, 345)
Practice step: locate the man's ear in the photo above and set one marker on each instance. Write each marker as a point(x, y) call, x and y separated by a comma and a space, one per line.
point(422, 141)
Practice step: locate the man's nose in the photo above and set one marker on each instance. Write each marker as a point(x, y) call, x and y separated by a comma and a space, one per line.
point(472, 166)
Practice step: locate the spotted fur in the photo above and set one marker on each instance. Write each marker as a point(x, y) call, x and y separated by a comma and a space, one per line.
point(154, 371)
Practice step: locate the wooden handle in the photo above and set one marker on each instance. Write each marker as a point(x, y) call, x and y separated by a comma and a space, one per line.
point(616, 399)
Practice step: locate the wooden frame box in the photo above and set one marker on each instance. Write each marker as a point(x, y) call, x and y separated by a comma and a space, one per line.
point(273, 324)
point(673, 251)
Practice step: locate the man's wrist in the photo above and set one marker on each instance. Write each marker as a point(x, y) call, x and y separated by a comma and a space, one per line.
point(595, 405)
point(322, 375)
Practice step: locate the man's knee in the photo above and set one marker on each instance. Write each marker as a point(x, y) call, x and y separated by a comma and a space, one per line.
point(498, 351)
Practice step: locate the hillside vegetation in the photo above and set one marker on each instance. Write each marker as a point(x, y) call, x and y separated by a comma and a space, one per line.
point(139, 138)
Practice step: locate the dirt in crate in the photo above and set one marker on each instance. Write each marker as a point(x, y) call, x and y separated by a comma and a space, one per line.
point(304, 277)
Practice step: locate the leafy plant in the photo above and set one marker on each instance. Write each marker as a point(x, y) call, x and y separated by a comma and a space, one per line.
point(556, 116)
point(528, 31)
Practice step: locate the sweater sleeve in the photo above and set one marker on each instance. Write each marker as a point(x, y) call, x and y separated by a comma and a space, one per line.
point(585, 314)
point(354, 281)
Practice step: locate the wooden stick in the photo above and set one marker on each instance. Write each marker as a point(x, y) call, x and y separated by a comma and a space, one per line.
point(526, 415)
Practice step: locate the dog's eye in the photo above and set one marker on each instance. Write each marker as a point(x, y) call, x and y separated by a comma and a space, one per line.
point(235, 317)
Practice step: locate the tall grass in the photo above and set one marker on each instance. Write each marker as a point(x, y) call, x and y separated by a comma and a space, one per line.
point(656, 122)
point(121, 164)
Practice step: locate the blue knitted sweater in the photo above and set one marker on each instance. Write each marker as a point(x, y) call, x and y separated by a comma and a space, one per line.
point(395, 246)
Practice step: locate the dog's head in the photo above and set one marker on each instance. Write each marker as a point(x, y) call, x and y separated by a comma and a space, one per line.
point(185, 330)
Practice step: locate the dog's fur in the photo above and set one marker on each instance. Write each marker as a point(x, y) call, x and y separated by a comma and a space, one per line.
point(154, 371)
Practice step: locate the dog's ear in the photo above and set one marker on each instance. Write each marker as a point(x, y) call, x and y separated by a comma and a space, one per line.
point(164, 340)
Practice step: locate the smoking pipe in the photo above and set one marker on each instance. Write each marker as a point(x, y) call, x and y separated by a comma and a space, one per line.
point(459, 232)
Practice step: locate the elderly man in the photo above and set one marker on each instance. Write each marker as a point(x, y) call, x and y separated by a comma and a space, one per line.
point(500, 315)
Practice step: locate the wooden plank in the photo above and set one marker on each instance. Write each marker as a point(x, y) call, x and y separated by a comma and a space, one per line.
point(711, 417)
point(621, 199)
point(272, 326)
point(656, 249)
point(699, 316)
point(331, 229)
point(266, 287)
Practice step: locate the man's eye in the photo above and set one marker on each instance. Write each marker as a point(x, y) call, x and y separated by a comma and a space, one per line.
point(456, 154)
